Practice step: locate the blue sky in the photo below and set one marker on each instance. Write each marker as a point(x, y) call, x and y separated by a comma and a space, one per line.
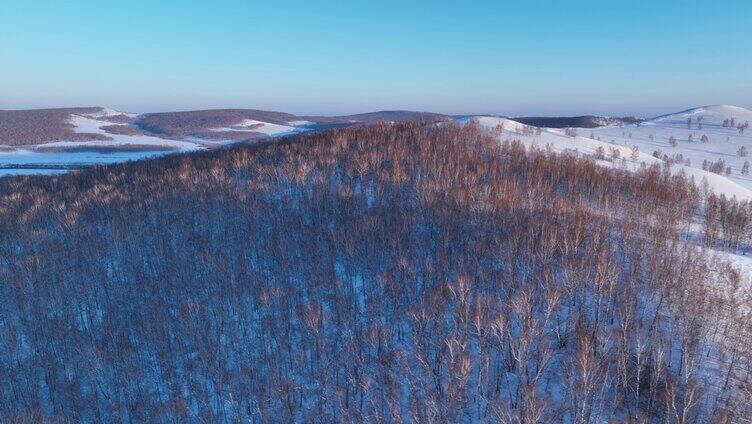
point(516, 57)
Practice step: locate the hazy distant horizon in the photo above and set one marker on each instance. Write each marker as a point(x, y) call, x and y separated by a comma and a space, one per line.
point(542, 112)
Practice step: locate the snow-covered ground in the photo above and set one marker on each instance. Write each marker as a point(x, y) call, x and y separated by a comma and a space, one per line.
point(710, 140)
point(631, 146)
point(106, 112)
point(85, 124)
point(266, 127)
point(636, 144)
point(61, 156)
point(301, 123)
point(723, 142)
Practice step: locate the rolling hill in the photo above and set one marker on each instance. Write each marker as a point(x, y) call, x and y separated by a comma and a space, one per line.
point(50, 141)
point(695, 142)
point(404, 272)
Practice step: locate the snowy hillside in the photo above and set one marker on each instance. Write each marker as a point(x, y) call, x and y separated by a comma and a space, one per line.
point(92, 136)
point(266, 128)
point(710, 144)
point(697, 138)
point(104, 147)
point(48, 141)
point(696, 142)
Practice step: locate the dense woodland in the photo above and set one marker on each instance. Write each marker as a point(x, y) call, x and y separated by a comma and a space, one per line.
point(383, 273)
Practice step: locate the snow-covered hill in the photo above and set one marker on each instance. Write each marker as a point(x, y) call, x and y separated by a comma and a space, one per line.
point(711, 144)
point(91, 136)
point(697, 138)
point(48, 141)
point(266, 128)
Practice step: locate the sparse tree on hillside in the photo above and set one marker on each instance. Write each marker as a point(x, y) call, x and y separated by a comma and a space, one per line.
point(600, 153)
point(499, 129)
point(718, 167)
point(672, 141)
point(615, 153)
point(635, 153)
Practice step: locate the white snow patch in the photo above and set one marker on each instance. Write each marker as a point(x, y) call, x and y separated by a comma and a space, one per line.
point(301, 123)
point(265, 128)
point(84, 124)
point(106, 112)
point(34, 159)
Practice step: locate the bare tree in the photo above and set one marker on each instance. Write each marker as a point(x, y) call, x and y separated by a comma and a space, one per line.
point(635, 153)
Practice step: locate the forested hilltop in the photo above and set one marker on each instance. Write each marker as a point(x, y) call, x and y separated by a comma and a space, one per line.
point(385, 273)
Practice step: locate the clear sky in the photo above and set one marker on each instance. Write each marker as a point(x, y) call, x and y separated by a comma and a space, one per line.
point(504, 57)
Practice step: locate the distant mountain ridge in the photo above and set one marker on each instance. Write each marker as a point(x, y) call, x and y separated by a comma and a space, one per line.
point(40, 126)
point(199, 122)
point(56, 140)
